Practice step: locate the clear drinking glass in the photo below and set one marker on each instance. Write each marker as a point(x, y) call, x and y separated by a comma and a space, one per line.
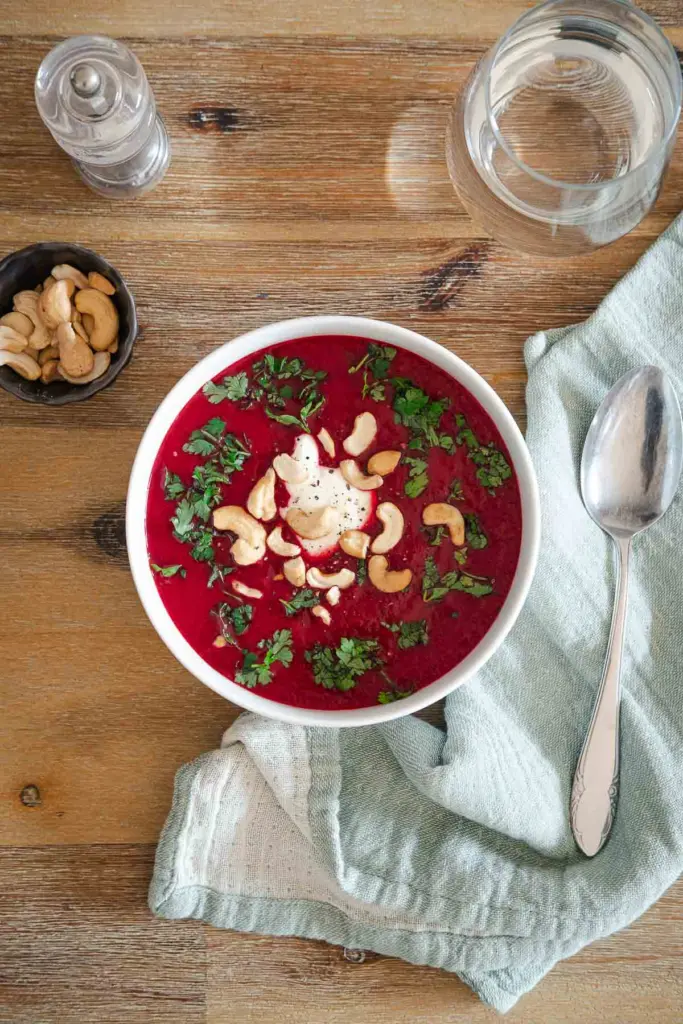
point(559, 139)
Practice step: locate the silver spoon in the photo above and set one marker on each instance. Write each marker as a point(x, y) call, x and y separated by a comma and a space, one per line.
point(630, 470)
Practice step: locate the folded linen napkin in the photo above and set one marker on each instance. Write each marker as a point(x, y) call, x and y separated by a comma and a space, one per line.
point(454, 848)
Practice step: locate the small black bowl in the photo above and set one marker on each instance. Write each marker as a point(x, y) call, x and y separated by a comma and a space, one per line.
point(29, 267)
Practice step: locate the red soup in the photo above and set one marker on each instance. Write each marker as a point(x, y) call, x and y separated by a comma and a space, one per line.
point(333, 523)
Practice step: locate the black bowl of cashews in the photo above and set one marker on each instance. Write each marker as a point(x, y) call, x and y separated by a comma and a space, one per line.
point(67, 323)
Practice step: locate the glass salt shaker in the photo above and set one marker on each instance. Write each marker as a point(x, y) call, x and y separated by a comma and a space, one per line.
point(93, 96)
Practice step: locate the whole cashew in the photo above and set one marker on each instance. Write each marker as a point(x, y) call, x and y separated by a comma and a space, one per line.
point(295, 571)
point(103, 311)
point(250, 545)
point(75, 355)
point(23, 364)
point(324, 580)
point(261, 500)
point(385, 580)
point(290, 470)
point(19, 322)
point(355, 476)
point(26, 302)
point(101, 283)
point(442, 514)
point(279, 546)
point(54, 305)
point(354, 543)
point(312, 525)
point(102, 360)
point(327, 442)
point(245, 591)
point(65, 272)
point(384, 462)
point(11, 340)
point(49, 371)
point(392, 517)
point(51, 352)
point(363, 434)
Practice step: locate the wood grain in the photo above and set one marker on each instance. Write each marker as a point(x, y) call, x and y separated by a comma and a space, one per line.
point(308, 176)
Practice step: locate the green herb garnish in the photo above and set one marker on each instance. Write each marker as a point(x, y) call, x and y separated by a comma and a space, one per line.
point(169, 570)
point(421, 415)
point(233, 621)
point(235, 389)
point(456, 492)
point(256, 671)
point(474, 534)
point(377, 360)
point(418, 478)
point(173, 486)
point(493, 468)
point(301, 599)
point(436, 534)
point(361, 571)
point(219, 572)
point(389, 696)
point(410, 634)
point(435, 586)
point(340, 668)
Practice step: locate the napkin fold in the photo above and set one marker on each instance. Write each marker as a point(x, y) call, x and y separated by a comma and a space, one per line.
point(453, 848)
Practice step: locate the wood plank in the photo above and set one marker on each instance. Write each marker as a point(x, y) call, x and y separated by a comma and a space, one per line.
point(635, 976)
point(79, 944)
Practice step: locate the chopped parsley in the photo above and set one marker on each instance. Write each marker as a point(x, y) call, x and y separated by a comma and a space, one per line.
point(436, 534)
point(276, 383)
point(219, 572)
point(421, 415)
point(233, 621)
point(474, 533)
point(410, 634)
point(300, 599)
point(493, 468)
point(377, 361)
point(340, 668)
point(361, 571)
point(435, 587)
point(173, 486)
point(456, 492)
point(256, 670)
point(418, 477)
point(389, 696)
point(169, 570)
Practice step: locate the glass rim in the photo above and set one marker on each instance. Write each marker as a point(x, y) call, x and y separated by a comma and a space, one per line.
point(559, 183)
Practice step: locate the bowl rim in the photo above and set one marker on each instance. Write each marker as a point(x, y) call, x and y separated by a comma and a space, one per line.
point(222, 359)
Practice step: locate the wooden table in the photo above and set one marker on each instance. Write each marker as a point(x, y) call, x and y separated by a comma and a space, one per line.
point(308, 176)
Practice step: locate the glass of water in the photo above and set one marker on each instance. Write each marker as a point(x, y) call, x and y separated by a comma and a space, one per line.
point(559, 140)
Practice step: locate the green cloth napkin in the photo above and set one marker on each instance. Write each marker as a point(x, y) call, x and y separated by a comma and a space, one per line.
point(454, 848)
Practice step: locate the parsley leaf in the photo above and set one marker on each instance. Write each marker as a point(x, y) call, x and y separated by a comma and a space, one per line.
point(377, 359)
point(205, 440)
point(255, 672)
point(182, 520)
point(234, 389)
point(173, 486)
point(436, 533)
point(361, 571)
point(389, 696)
point(300, 599)
point(202, 550)
point(340, 668)
point(493, 468)
point(435, 587)
point(233, 620)
point(219, 572)
point(410, 634)
point(418, 478)
point(474, 534)
point(169, 570)
point(456, 492)
point(421, 415)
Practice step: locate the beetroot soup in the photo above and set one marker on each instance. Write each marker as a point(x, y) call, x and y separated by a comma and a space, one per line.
point(333, 522)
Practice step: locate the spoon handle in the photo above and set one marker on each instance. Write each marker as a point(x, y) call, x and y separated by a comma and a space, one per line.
point(596, 780)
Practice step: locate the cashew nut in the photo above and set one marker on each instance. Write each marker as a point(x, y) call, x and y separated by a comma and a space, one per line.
point(384, 462)
point(363, 434)
point(19, 322)
point(442, 514)
point(354, 543)
point(312, 525)
point(11, 340)
point(26, 302)
point(280, 546)
point(392, 517)
point(88, 322)
point(355, 476)
point(80, 330)
point(54, 305)
point(322, 613)
point(220, 641)
point(65, 272)
point(114, 347)
point(75, 355)
point(49, 371)
point(101, 283)
point(290, 470)
point(51, 352)
point(105, 318)
point(250, 545)
point(261, 500)
point(332, 595)
point(324, 580)
point(49, 280)
point(295, 571)
point(327, 442)
point(23, 364)
point(385, 580)
point(102, 360)
point(245, 591)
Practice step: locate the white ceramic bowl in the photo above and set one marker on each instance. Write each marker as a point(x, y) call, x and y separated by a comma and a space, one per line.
point(252, 343)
